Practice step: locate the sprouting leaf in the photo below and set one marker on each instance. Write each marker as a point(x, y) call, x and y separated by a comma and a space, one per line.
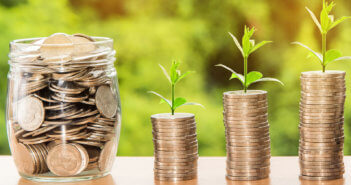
point(343, 58)
point(315, 20)
point(253, 76)
point(173, 73)
point(183, 75)
point(318, 55)
point(237, 75)
point(259, 45)
point(162, 98)
point(179, 102)
point(165, 72)
point(246, 41)
point(331, 55)
point(338, 21)
point(237, 43)
point(193, 103)
point(266, 79)
point(325, 19)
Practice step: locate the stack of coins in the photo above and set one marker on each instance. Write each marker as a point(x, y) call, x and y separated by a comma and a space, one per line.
point(63, 105)
point(247, 135)
point(176, 147)
point(321, 125)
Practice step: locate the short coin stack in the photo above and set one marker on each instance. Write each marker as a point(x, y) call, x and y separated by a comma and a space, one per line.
point(176, 147)
point(321, 125)
point(247, 135)
point(63, 106)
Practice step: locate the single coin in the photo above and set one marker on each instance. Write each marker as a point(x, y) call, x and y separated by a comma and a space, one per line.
point(248, 94)
point(316, 178)
point(30, 113)
point(23, 159)
point(57, 44)
point(160, 178)
point(326, 74)
point(106, 101)
point(247, 178)
point(107, 156)
point(65, 160)
point(82, 44)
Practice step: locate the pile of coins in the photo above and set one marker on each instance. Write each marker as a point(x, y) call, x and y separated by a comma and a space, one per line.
point(63, 106)
point(176, 147)
point(321, 125)
point(247, 135)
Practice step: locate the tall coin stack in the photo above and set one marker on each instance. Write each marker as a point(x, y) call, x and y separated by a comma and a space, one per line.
point(176, 147)
point(321, 125)
point(247, 135)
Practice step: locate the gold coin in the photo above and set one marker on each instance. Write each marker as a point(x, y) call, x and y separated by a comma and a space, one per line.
point(24, 160)
point(30, 113)
point(107, 156)
point(245, 95)
point(166, 117)
point(65, 160)
point(315, 178)
point(57, 44)
point(106, 101)
point(246, 178)
point(82, 44)
point(327, 74)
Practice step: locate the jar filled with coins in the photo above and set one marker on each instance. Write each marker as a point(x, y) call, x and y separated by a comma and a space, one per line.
point(63, 108)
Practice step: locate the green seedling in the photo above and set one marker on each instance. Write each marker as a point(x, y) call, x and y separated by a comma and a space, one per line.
point(174, 77)
point(325, 24)
point(247, 47)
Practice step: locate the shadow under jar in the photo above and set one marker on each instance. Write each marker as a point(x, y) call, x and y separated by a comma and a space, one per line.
point(63, 108)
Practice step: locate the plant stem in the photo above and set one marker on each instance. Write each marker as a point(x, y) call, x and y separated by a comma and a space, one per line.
point(324, 49)
point(245, 74)
point(172, 108)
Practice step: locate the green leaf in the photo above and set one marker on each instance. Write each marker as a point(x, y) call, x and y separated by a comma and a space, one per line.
point(183, 75)
point(331, 55)
point(179, 102)
point(237, 43)
point(266, 79)
point(253, 76)
point(165, 73)
point(325, 19)
point(193, 103)
point(246, 41)
point(318, 55)
point(234, 74)
point(340, 20)
point(162, 98)
point(315, 20)
point(173, 73)
point(343, 58)
point(259, 45)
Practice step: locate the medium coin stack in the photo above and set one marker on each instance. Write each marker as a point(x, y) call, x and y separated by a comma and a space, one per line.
point(247, 135)
point(63, 106)
point(321, 125)
point(176, 147)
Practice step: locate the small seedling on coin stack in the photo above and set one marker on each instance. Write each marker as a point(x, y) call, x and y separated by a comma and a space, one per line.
point(247, 47)
point(174, 77)
point(325, 24)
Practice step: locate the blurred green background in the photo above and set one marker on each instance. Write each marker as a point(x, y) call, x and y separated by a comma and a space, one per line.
point(147, 33)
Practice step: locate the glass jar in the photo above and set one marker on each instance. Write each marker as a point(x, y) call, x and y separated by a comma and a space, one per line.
point(63, 107)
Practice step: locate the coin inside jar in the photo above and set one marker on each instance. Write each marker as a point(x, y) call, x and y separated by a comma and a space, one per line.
point(67, 159)
point(106, 101)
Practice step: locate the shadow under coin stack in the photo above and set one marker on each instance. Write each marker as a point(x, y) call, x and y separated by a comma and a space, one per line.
point(175, 145)
point(63, 107)
point(321, 125)
point(247, 135)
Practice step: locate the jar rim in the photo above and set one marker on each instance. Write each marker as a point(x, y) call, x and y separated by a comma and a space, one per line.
point(29, 41)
